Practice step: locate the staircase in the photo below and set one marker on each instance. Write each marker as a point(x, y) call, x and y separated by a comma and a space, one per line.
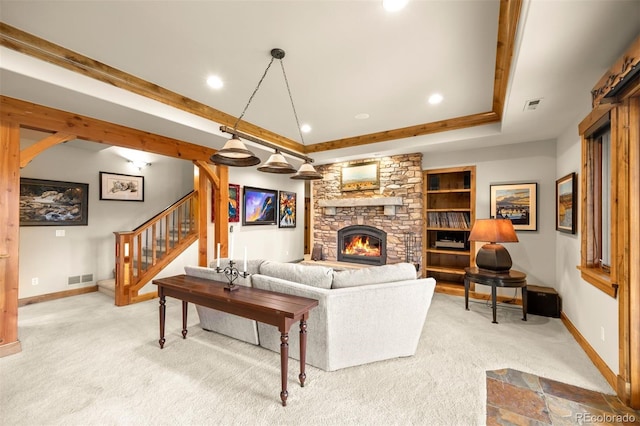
point(145, 251)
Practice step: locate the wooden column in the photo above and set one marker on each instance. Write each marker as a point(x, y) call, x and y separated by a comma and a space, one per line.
point(9, 236)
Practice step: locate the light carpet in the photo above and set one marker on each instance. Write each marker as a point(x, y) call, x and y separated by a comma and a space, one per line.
point(86, 362)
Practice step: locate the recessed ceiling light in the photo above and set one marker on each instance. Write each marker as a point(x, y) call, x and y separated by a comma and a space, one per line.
point(394, 5)
point(435, 99)
point(215, 82)
point(362, 116)
point(305, 128)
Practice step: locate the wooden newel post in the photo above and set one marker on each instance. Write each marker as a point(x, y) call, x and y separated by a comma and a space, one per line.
point(124, 271)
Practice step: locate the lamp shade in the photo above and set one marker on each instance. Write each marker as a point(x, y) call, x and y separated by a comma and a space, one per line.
point(277, 164)
point(494, 231)
point(307, 172)
point(492, 256)
point(235, 153)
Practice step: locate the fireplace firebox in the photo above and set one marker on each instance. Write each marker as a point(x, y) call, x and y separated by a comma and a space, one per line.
point(362, 244)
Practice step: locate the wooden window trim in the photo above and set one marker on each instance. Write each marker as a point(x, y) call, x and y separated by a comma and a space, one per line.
point(604, 280)
point(599, 279)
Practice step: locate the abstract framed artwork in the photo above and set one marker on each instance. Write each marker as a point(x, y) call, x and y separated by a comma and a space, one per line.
point(362, 176)
point(119, 187)
point(286, 209)
point(566, 199)
point(518, 202)
point(53, 203)
point(233, 203)
point(259, 206)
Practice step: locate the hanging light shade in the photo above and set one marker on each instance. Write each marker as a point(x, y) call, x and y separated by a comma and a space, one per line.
point(277, 164)
point(307, 172)
point(235, 153)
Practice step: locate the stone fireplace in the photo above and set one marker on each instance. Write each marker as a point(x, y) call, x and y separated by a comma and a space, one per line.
point(362, 244)
point(394, 208)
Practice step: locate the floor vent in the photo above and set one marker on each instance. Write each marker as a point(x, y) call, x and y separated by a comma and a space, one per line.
point(74, 280)
point(87, 278)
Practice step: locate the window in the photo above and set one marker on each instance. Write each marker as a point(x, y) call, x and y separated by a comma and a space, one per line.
point(598, 191)
point(596, 205)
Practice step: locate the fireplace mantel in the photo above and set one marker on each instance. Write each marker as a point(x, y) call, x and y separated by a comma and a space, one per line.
point(389, 204)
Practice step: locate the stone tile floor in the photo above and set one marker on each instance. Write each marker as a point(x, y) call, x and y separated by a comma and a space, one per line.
point(517, 398)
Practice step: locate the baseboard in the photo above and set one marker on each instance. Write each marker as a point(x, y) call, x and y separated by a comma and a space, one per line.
point(10, 349)
point(57, 295)
point(602, 366)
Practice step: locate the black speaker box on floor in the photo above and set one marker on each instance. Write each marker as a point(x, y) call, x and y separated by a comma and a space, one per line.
point(543, 301)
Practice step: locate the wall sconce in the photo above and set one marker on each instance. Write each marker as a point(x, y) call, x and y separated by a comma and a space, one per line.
point(139, 164)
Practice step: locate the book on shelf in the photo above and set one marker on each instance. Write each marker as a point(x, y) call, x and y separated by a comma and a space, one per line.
point(461, 220)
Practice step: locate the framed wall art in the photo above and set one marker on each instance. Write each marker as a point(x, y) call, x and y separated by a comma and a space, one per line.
point(287, 209)
point(259, 206)
point(234, 203)
point(362, 176)
point(53, 203)
point(566, 207)
point(114, 186)
point(518, 202)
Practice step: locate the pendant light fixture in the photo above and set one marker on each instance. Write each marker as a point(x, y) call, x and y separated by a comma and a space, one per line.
point(306, 170)
point(234, 152)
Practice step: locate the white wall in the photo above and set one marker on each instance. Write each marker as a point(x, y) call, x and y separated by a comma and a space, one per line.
point(530, 162)
point(90, 249)
point(266, 241)
point(590, 310)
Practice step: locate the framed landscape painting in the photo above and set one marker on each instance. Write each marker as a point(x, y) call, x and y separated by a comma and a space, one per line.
point(53, 203)
point(566, 211)
point(358, 177)
point(259, 206)
point(287, 210)
point(518, 202)
point(115, 186)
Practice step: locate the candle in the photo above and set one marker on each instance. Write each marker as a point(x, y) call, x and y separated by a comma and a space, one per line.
point(231, 247)
point(218, 257)
point(245, 259)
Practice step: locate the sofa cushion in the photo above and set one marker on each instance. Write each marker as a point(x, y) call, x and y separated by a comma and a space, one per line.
point(312, 275)
point(374, 275)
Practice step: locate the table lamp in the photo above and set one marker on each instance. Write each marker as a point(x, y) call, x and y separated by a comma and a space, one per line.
point(493, 256)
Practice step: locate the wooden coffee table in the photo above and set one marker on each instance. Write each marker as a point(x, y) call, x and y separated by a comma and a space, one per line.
point(277, 309)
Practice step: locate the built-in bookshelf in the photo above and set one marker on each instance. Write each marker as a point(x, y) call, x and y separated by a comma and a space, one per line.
point(449, 200)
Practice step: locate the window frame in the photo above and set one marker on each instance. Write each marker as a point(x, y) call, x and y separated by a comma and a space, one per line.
point(605, 278)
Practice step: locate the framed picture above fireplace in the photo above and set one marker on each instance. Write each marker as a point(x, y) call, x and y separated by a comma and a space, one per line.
point(361, 176)
point(259, 206)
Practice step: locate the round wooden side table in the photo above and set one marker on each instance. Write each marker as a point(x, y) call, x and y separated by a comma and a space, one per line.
point(508, 279)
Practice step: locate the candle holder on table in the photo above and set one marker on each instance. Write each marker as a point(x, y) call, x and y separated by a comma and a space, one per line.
point(232, 274)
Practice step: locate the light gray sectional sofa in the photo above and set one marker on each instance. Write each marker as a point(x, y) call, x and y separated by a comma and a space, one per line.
point(363, 315)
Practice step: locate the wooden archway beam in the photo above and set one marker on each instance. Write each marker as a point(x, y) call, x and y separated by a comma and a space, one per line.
point(47, 119)
point(208, 172)
point(29, 153)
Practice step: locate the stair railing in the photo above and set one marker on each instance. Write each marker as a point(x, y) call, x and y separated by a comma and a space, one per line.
point(145, 251)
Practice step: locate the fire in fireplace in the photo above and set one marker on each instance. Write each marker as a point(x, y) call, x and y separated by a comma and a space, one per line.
point(362, 244)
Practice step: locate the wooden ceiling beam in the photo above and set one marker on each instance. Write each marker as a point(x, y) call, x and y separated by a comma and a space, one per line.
point(407, 132)
point(508, 19)
point(47, 119)
point(29, 153)
point(26, 43)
